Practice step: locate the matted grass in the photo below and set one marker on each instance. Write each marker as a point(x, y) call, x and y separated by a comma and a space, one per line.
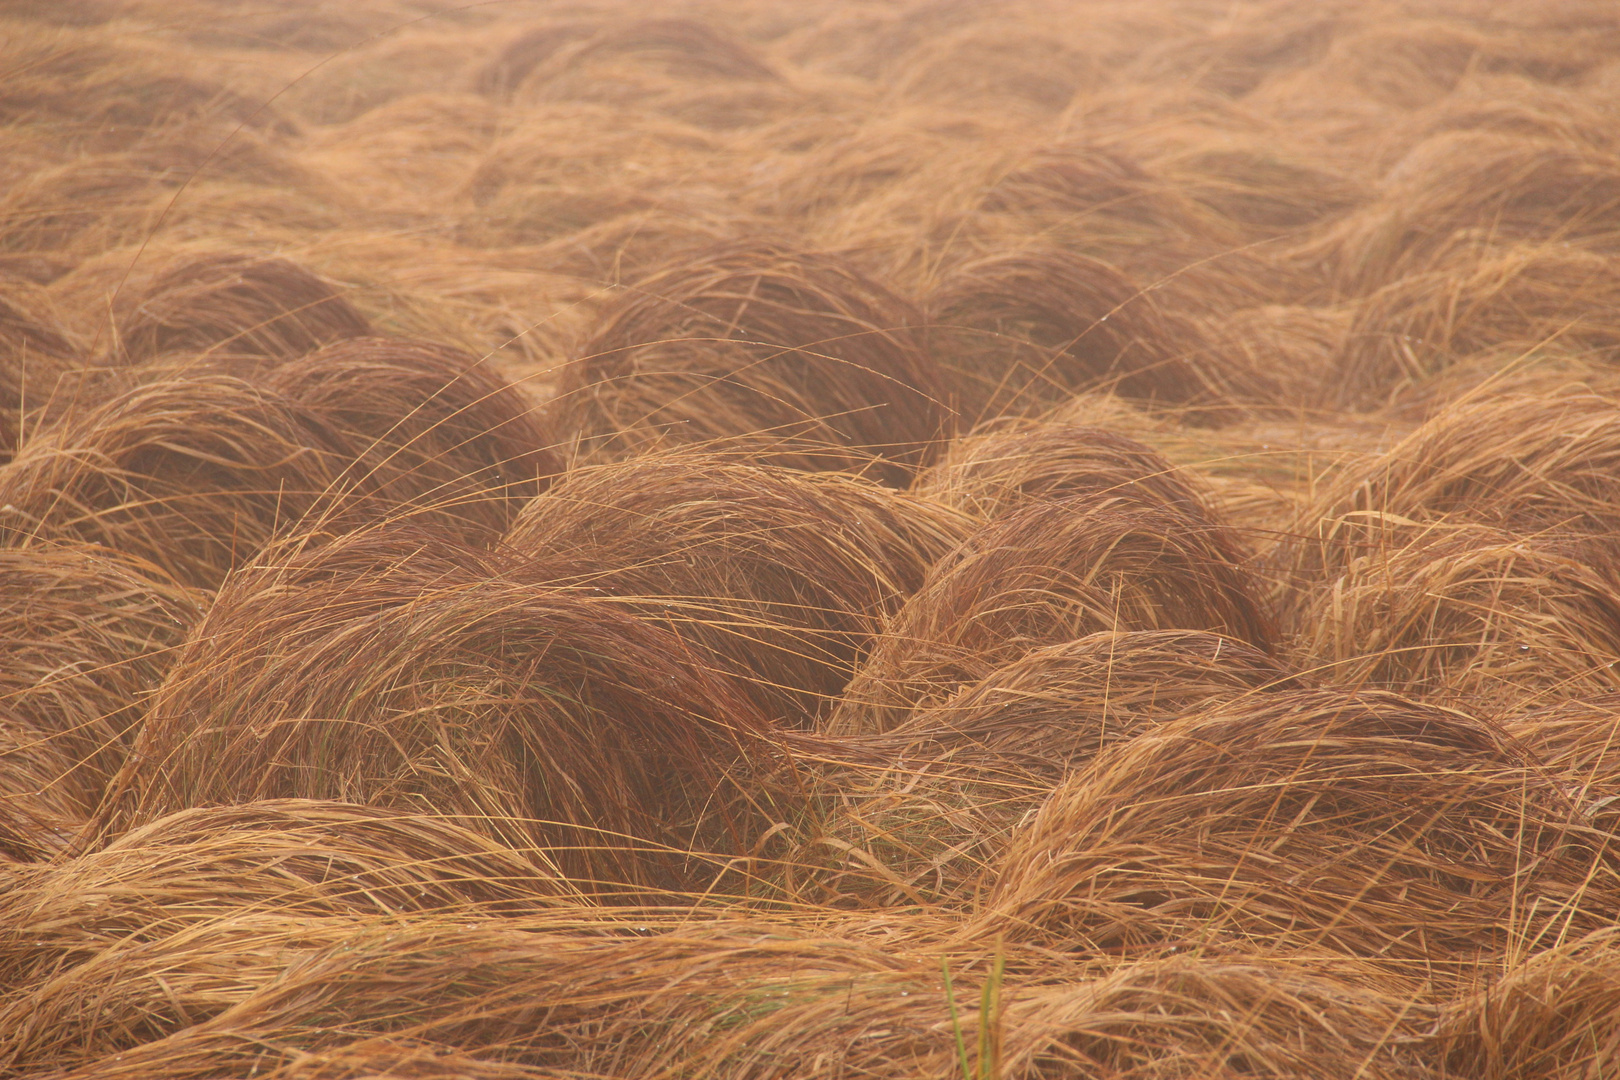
point(989, 541)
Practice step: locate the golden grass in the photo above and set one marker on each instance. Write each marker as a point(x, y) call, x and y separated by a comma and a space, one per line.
point(747, 540)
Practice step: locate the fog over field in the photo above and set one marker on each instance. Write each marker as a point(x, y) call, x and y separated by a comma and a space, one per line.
point(747, 539)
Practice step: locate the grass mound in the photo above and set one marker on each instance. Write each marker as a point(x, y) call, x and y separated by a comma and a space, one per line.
point(398, 670)
point(1048, 573)
point(258, 306)
point(799, 357)
point(999, 469)
point(780, 577)
point(922, 814)
point(1403, 833)
point(85, 635)
point(33, 352)
point(193, 475)
point(1548, 1016)
point(1058, 707)
point(291, 857)
point(1468, 612)
point(434, 428)
point(1514, 302)
point(1029, 328)
point(1512, 462)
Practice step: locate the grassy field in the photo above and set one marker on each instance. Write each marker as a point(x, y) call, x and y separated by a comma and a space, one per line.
point(824, 539)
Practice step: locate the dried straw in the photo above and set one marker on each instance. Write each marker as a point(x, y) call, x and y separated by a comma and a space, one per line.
point(238, 303)
point(435, 427)
point(1512, 302)
point(1052, 572)
point(85, 635)
point(796, 356)
point(729, 999)
point(33, 353)
point(780, 577)
point(923, 813)
point(1002, 467)
point(1368, 825)
point(1579, 741)
point(1475, 183)
point(1467, 612)
point(289, 858)
point(194, 475)
point(1028, 328)
point(1551, 1015)
point(1513, 462)
point(396, 669)
point(1056, 708)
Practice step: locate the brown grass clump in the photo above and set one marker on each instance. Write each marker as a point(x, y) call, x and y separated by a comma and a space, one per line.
point(1512, 462)
point(626, 58)
point(42, 807)
point(262, 306)
point(1551, 1015)
point(1517, 301)
point(397, 670)
point(1362, 824)
point(291, 857)
point(923, 813)
point(1181, 1018)
point(335, 997)
point(1060, 706)
point(1579, 741)
point(85, 635)
point(999, 469)
point(1028, 328)
point(798, 357)
point(778, 576)
point(194, 475)
point(1052, 572)
point(1288, 354)
point(1504, 189)
point(1467, 611)
point(435, 426)
point(32, 355)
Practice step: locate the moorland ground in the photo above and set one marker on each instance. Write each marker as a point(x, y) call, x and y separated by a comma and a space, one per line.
point(842, 538)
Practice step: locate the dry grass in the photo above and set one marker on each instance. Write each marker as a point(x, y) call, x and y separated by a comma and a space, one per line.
point(1468, 612)
point(234, 303)
point(401, 669)
point(797, 357)
point(33, 353)
point(194, 475)
point(86, 634)
point(436, 429)
point(780, 577)
point(1366, 825)
point(490, 583)
point(1000, 468)
point(1029, 328)
point(1051, 572)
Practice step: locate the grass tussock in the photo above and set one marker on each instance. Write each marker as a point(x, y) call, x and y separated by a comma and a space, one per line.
point(1049, 573)
point(33, 353)
point(797, 357)
point(1002, 468)
point(437, 430)
point(1029, 328)
point(1373, 851)
point(86, 635)
point(780, 577)
point(425, 680)
point(1468, 612)
point(233, 303)
point(193, 475)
